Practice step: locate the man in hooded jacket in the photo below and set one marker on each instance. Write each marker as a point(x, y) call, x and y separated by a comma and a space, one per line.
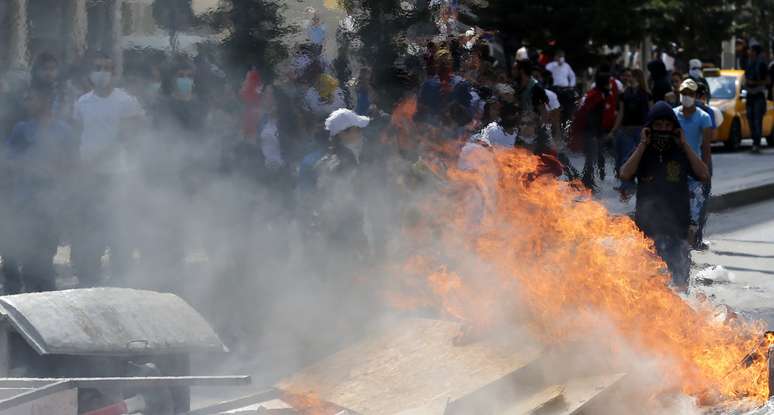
point(662, 163)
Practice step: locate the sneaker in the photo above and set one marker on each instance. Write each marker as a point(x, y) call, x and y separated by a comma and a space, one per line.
point(756, 150)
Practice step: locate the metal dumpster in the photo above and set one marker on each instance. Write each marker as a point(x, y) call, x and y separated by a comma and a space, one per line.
point(103, 332)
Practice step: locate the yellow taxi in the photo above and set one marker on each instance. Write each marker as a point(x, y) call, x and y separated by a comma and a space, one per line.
point(728, 95)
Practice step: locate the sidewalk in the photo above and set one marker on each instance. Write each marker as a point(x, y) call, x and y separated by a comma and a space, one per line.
point(739, 179)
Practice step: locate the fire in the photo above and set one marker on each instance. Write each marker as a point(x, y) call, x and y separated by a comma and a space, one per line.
point(309, 404)
point(545, 253)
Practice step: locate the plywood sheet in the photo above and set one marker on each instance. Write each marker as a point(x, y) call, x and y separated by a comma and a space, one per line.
point(582, 391)
point(411, 365)
point(537, 401)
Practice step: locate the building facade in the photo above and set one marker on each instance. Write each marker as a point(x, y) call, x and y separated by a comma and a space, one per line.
point(68, 28)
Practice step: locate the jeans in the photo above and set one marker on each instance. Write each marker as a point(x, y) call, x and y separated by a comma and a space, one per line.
point(756, 108)
point(675, 252)
point(703, 214)
point(698, 200)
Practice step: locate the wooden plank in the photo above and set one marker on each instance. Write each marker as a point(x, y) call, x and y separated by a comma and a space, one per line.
point(408, 366)
point(538, 401)
point(436, 407)
point(579, 393)
point(239, 403)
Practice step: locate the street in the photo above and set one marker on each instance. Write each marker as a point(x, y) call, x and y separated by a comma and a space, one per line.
point(742, 242)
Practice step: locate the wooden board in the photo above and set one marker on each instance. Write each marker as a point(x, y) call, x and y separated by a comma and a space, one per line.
point(582, 391)
point(411, 365)
point(537, 401)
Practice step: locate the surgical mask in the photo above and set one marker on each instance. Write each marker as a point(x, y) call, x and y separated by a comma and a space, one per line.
point(184, 85)
point(695, 73)
point(687, 101)
point(100, 79)
point(356, 147)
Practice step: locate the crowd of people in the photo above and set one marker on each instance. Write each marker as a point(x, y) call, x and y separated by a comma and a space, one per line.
point(85, 151)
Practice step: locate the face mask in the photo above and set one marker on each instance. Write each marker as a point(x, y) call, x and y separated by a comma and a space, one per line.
point(561, 60)
point(355, 147)
point(662, 141)
point(695, 73)
point(154, 87)
point(184, 85)
point(100, 79)
point(687, 101)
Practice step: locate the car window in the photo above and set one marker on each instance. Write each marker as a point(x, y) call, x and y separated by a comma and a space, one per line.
point(722, 87)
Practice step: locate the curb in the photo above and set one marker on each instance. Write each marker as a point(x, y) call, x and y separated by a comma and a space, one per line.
point(742, 197)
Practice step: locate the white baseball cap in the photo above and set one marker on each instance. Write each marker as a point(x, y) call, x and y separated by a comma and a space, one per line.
point(343, 119)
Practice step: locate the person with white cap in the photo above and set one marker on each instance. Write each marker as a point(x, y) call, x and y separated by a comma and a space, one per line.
point(695, 73)
point(334, 206)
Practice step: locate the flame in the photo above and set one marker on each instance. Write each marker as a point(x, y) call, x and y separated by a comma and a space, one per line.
point(309, 403)
point(543, 249)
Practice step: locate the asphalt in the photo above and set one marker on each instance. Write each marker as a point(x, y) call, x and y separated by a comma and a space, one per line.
point(739, 179)
point(738, 268)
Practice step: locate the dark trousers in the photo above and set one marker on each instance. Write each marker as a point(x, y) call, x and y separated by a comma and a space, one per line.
point(756, 108)
point(567, 100)
point(595, 157)
point(28, 263)
point(676, 253)
point(96, 227)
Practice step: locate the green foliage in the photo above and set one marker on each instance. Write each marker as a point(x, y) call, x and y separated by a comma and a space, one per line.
point(578, 27)
point(380, 28)
point(696, 26)
point(755, 21)
point(254, 34)
point(174, 16)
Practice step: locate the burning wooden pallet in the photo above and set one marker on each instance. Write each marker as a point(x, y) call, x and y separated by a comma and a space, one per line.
point(418, 367)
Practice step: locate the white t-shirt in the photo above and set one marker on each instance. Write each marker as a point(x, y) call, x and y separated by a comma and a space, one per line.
point(101, 119)
point(562, 73)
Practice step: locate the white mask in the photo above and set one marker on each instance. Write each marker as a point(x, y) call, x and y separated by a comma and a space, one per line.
point(687, 101)
point(695, 73)
point(355, 147)
point(100, 79)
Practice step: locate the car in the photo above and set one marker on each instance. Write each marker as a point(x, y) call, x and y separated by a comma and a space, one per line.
point(728, 95)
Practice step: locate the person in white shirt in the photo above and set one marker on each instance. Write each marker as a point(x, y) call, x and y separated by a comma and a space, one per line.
point(563, 84)
point(102, 115)
point(561, 71)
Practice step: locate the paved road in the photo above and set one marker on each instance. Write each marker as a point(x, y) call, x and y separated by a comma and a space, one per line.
point(732, 172)
point(742, 241)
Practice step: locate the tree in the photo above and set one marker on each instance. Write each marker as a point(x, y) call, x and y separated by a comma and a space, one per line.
point(578, 27)
point(381, 27)
point(254, 34)
point(174, 16)
point(696, 26)
point(754, 21)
